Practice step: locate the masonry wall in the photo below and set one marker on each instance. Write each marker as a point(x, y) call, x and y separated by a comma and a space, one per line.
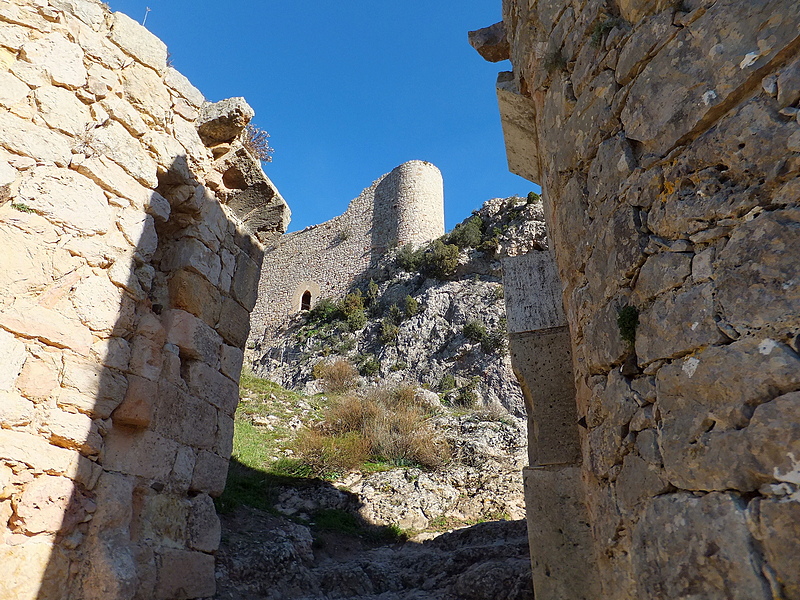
point(128, 267)
point(665, 137)
point(405, 206)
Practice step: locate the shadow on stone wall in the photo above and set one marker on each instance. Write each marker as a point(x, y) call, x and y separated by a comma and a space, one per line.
point(140, 522)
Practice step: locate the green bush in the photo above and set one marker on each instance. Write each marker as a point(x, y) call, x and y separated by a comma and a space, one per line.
point(356, 320)
point(389, 331)
point(533, 197)
point(493, 342)
point(410, 306)
point(395, 315)
point(440, 260)
point(467, 396)
point(372, 293)
point(447, 382)
point(467, 234)
point(474, 331)
point(325, 311)
point(369, 366)
point(409, 259)
point(627, 321)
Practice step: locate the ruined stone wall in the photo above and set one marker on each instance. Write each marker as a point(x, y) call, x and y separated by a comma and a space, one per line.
point(665, 137)
point(405, 206)
point(130, 218)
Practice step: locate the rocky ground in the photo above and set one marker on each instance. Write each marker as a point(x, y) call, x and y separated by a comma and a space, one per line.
point(380, 532)
point(430, 347)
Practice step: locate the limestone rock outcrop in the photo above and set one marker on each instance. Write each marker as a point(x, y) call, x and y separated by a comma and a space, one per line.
point(127, 273)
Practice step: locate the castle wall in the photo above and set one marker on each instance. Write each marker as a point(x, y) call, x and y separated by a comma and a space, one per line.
point(405, 206)
point(127, 271)
point(666, 140)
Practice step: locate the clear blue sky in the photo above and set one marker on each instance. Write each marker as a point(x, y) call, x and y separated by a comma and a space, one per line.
point(349, 90)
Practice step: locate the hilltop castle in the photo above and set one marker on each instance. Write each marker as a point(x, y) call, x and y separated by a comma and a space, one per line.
point(405, 206)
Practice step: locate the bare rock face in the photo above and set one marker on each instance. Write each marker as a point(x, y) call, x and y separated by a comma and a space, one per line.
point(223, 121)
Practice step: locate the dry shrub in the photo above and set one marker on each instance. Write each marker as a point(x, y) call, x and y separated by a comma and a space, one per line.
point(256, 140)
point(337, 376)
point(392, 423)
point(327, 454)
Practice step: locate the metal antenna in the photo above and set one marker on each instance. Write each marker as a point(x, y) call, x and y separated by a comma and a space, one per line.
point(146, 12)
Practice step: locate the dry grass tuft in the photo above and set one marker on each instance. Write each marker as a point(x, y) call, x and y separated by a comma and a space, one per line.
point(337, 376)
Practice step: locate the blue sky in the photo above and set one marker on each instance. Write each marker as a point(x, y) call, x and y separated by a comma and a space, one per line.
point(349, 90)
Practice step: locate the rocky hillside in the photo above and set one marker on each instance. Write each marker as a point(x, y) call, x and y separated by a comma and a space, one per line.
point(432, 317)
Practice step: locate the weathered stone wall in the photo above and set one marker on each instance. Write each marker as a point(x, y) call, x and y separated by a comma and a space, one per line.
point(665, 137)
point(405, 206)
point(128, 266)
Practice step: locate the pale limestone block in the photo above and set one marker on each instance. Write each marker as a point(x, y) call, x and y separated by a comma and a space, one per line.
point(102, 82)
point(136, 409)
point(61, 110)
point(703, 265)
point(94, 250)
point(28, 268)
point(114, 142)
point(173, 405)
point(99, 387)
point(193, 293)
point(183, 468)
point(210, 473)
point(114, 497)
point(6, 512)
point(231, 361)
point(185, 110)
point(204, 526)
point(8, 174)
point(121, 110)
point(102, 306)
point(146, 358)
point(138, 42)
point(45, 505)
point(162, 519)
point(62, 59)
point(33, 570)
point(90, 12)
point(6, 487)
point(178, 82)
point(145, 91)
point(185, 574)
point(12, 90)
point(150, 327)
point(113, 352)
point(13, 38)
point(234, 323)
point(777, 526)
point(12, 357)
point(66, 198)
point(224, 442)
point(43, 457)
point(186, 134)
point(15, 410)
point(195, 339)
point(245, 281)
point(49, 326)
point(212, 386)
point(140, 453)
point(75, 431)
point(22, 137)
point(97, 46)
point(139, 229)
point(39, 377)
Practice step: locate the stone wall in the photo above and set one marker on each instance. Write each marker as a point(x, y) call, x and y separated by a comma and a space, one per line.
point(131, 230)
point(405, 206)
point(665, 137)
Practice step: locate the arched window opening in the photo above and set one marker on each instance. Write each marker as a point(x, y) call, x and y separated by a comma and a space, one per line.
point(305, 303)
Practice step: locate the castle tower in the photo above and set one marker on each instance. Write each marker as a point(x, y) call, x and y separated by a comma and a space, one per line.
point(409, 206)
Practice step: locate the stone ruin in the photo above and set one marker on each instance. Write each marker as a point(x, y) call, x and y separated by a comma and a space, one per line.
point(666, 139)
point(133, 221)
point(405, 206)
point(132, 226)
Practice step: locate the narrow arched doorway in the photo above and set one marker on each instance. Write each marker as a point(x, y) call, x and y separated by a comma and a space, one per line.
point(305, 301)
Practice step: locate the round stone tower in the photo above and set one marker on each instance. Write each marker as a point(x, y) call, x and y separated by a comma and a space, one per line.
point(409, 205)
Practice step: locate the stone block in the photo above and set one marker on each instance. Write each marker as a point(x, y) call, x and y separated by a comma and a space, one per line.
point(160, 519)
point(638, 482)
point(138, 42)
point(234, 323)
point(560, 539)
point(12, 90)
point(193, 293)
point(194, 338)
point(204, 526)
point(517, 116)
point(49, 504)
point(183, 468)
point(661, 273)
point(183, 574)
point(491, 42)
point(12, 357)
point(532, 292)
point(146, 357)
point(49, 326)
point(136, 409)
point(142, 453)
point(756, 273)
point(184, 418)
point(33, 570)
point(61, 59)
point(703, 265)
point(245, 281)
point(183, 86)
point(677, 323)
point(73, 430)
point(114, 142)
point(192, 254)
point(46, 458)
point(223, 121)
point(210, 473)
point(231, 361)
point(104, 388)
point(607, 348)
point(102, 306)
point(212, 386)
point(542, 363)
point(777, 527)
point(695, 559)
point(113, 352)
point(15, 410)
point(224, 441)
point(62, 110)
